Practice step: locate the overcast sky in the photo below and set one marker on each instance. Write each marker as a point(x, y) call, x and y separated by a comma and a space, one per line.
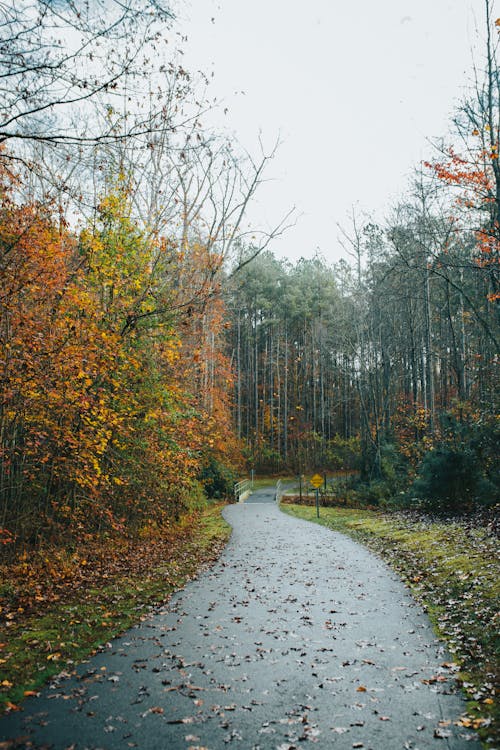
point(353, 89)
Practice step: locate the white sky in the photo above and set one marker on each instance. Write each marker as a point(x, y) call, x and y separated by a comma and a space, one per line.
point(354, 90)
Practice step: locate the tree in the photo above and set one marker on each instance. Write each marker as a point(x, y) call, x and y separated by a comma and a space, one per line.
point(57, 58)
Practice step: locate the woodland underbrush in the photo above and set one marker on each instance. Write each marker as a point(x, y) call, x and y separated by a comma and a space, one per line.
point(455, 472)
point(452, 567)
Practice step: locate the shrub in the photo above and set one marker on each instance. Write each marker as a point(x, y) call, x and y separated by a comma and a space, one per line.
point(343, 453)
point(451, 479)
point(217, 479)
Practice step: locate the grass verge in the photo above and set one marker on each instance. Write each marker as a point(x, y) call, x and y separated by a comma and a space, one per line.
point(260, 483)
point(452, 569)
point(59, 634)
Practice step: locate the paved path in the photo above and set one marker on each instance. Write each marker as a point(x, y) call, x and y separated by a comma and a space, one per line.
point(297, 636)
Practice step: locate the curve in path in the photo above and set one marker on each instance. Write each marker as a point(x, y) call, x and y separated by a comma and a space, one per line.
point(297, 636)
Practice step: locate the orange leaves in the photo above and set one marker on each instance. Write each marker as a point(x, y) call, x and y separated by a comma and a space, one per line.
point(488, 247)
point(478, 181)
point(6, 537)
point(458, 171)
point(110, 399)
point(473, 722)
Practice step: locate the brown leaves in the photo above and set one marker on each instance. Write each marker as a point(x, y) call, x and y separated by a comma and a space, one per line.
point(474, 722)
point(435, 678)
point(121, 578)
point(15, 744)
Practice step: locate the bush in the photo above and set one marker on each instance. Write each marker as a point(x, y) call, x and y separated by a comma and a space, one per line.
point(343, 453)
point(384, 477)
point(218, 480)
point(451, 479)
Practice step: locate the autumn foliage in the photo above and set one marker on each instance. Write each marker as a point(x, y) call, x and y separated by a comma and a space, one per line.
point(112, 392)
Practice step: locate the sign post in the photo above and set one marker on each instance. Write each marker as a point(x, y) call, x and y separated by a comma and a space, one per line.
point(317, 481)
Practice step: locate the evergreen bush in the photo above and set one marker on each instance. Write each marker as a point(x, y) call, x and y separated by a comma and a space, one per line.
point(217, 479)
point(450, 479)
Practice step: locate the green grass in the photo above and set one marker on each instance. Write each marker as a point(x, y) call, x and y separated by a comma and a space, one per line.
point(263, 482)
point(36, 647)
point(453, 570)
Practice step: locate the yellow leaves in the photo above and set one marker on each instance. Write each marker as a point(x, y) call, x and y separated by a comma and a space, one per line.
point(111, 416)
point(97, 467)
point(172, 355)
point(472, 722)
point(54, 657)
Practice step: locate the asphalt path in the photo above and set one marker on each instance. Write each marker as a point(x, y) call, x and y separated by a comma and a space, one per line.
point(296, 636)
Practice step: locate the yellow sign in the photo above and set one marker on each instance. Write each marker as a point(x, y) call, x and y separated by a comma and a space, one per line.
point(317, 480)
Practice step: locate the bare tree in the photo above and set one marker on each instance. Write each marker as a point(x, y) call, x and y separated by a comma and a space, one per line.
point(56, 59)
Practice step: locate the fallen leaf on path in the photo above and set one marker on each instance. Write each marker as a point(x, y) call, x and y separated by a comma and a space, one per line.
point(473, 723)
point(17, 742)
point(442, 734)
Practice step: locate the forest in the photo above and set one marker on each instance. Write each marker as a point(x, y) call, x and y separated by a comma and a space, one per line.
point(151, 353)
point(386, 369)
